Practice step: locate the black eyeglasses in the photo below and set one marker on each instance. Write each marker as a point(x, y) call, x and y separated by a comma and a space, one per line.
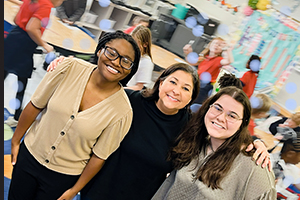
point(112, 55)
point(230, 116)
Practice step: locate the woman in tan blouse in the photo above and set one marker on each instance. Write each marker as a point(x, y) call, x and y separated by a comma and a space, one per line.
point(85, 114)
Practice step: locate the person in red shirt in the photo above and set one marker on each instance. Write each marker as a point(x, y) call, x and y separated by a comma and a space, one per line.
point(137, 21)
point(209, 64)
point(22, 40)
point(249, 78)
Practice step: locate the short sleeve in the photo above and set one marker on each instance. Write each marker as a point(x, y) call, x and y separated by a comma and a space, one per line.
point(111, 137)
point(49, 84)
point(43, 12)
point(244, 78)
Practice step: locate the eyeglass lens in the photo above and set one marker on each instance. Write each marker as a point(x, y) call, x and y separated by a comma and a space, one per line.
point(113, 55)
point(230, 116)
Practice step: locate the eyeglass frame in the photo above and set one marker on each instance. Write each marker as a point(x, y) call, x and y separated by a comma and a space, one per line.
point(118, 55)
point(210, 106)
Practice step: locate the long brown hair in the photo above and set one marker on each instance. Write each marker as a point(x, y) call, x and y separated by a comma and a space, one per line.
point(143, 35)
point(194, 139)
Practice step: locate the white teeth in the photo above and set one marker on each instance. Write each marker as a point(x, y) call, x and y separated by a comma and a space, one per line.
point(217, 125)
point(173, 98)
point(112, 70)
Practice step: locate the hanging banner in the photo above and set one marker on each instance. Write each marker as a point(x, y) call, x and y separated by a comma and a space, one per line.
point(269, 37)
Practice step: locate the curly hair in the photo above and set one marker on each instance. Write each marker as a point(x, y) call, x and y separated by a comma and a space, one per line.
point(229, 80)
point(109, 36)
point(195, 138)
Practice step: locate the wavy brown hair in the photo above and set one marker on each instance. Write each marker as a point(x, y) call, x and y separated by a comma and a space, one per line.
point(194, 139)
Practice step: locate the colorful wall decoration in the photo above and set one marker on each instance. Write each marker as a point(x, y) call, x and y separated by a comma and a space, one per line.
point(271, 38)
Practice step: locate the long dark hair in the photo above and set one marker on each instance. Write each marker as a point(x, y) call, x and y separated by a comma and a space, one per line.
point(153, 94)
point(109, 36)
point(194, 139)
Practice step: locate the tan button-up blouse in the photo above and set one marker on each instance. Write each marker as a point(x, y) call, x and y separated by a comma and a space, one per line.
point(63, 138)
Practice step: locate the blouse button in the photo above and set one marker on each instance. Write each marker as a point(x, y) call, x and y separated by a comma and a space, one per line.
point(53, 147)
point(72, 117)
point(62, 133)
point(47, 161)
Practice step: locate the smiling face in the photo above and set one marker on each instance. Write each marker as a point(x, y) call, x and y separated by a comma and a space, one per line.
point(111, 70)
point(218, 126)
point(175, 92)
point(216, 46)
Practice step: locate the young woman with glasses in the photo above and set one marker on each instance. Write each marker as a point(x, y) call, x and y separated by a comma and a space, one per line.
point(85, 114)
point(210, 157)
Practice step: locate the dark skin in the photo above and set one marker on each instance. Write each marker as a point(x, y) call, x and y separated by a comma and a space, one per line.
point(103, 82)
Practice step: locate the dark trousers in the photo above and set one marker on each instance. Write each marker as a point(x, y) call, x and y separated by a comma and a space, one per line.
point(33, 181)
point(20, 93)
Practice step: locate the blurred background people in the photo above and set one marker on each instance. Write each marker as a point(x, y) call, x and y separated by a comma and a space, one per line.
point(143, 77)
point(71, 11)
point(249, 78)
point(137, 21)
point(24, 38)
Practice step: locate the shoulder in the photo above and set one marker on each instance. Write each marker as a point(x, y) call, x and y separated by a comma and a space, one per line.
point(45, 3)
point(118, 106)
point(132, 93)
point(248, 167)
point(78, 64)
point(121, 98)
point(72, 67)
point(219, 58)
point(145, 59)
point(134, 96)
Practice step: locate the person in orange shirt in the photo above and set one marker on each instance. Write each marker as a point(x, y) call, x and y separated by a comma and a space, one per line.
point(249, 79)
point(20, 43)
point(209, 63)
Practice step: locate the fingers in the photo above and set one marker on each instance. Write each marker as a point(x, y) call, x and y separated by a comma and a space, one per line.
point(270, 165)
point(13, 157)
point(54, 63)
point(49, 67)
point(261, 156)
point(249, 147)
point(187, 49)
